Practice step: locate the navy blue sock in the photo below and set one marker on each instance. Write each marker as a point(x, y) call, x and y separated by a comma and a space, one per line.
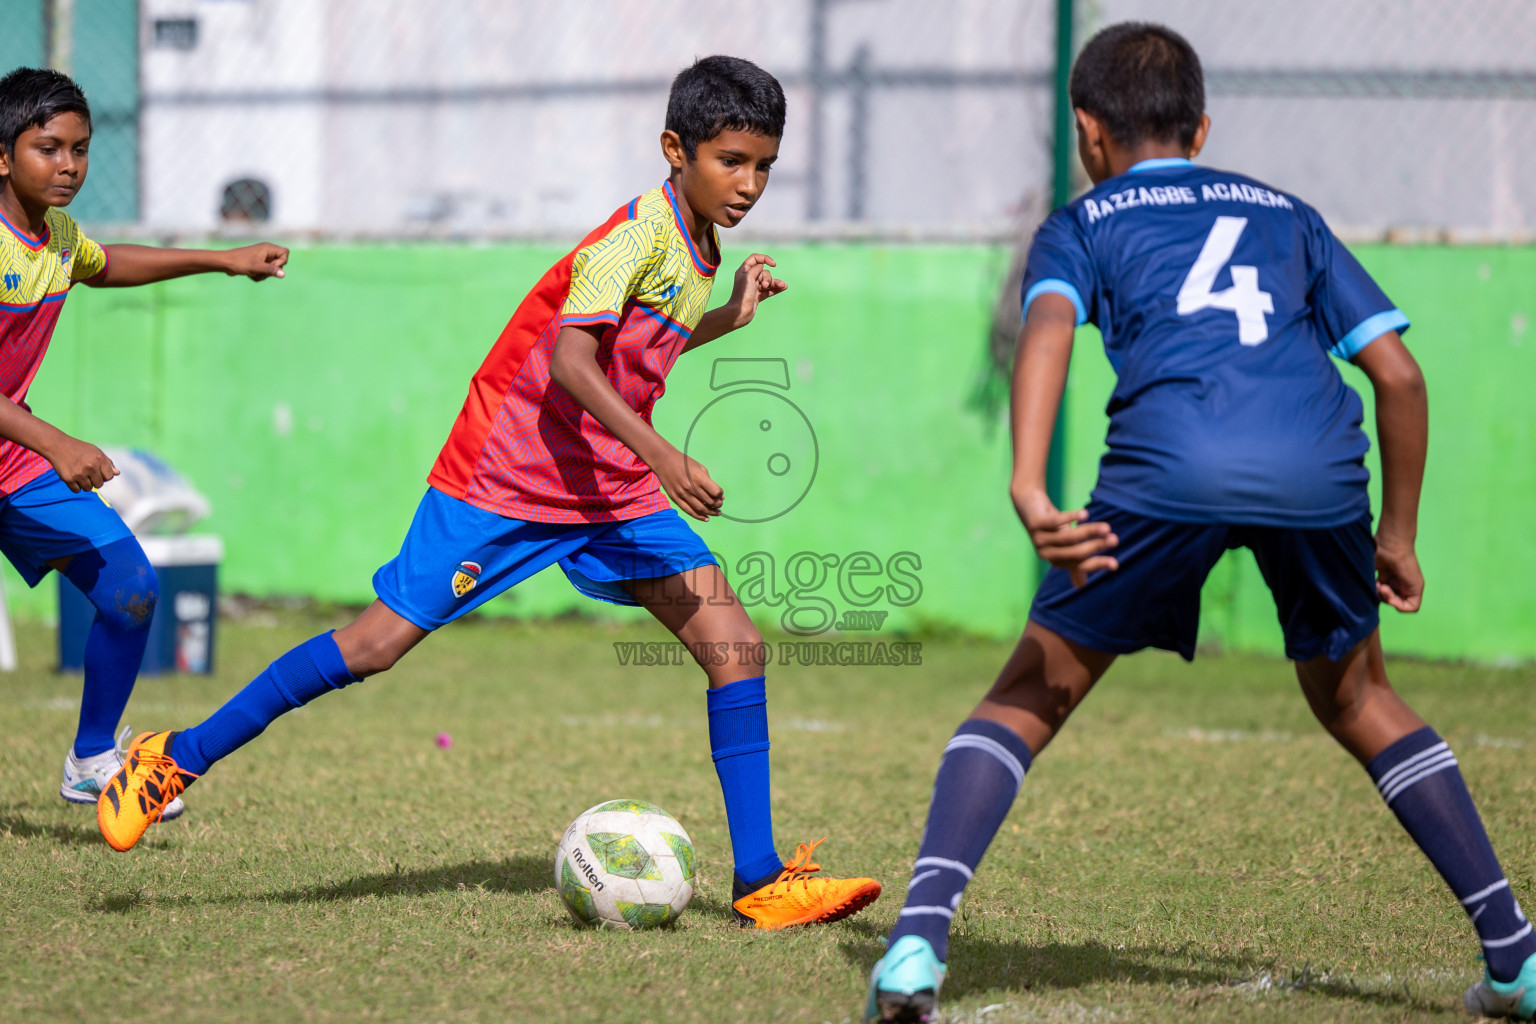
point(295, 679)
point(982, 769)
point(738, 740)
point(1418, 778)
point(121, 584)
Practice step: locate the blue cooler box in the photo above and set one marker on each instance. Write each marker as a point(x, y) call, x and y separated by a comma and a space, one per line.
point(181, 632)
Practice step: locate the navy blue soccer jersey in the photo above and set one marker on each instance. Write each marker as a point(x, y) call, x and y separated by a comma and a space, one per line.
point(1219, 301)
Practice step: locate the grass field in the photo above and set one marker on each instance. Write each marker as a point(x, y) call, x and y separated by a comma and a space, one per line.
point(1192, 848)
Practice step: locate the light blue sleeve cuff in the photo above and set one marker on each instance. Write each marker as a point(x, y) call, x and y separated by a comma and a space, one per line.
point(1371, 328)
point(1060, 287)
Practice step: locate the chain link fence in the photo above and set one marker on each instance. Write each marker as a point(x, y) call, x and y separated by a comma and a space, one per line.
point(1400, 119)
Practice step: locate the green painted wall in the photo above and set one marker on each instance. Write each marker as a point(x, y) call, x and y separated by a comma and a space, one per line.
point(310, 409)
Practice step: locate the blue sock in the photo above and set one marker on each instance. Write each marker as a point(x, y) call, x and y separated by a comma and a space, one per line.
point(1418, 778)
point(738, 740)
point(295, 679)
point(979, 776)
point(121, 584)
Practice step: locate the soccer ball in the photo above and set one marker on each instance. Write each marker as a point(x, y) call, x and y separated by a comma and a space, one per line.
point(625, 864)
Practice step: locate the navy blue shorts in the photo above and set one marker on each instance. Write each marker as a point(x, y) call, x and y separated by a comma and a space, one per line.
point(1323, 582)
point(43, 520)
point(456, 557)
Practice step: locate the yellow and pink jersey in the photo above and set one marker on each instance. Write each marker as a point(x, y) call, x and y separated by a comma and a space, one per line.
point(35, 277)
point(526, 450)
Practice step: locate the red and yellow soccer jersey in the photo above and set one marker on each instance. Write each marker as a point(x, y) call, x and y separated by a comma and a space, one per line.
point(35, 276)
point(526, 450)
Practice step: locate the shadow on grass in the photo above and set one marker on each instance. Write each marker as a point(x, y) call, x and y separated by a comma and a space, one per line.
point(518, 874)
point(67, 835)
point(978, 965)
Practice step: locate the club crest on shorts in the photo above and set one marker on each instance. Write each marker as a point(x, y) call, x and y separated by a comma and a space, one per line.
point(465, 576)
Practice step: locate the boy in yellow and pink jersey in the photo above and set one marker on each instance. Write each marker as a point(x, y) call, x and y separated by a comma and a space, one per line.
point(49, 517)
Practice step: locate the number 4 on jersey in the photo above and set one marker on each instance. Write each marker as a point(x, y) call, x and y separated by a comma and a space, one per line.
point(1242, 298)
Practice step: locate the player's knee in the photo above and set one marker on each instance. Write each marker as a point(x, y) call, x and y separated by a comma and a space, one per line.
point(748, 634)
point(368, 656)
point(130, 605)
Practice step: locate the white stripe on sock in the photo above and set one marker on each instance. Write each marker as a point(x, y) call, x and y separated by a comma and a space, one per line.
point(1501, 943)
point(1403, 767)
point(918, 878)
point(1431, 768)
point(988, 745)
point(946, 912)
point(1502, 883)
point(942, 862)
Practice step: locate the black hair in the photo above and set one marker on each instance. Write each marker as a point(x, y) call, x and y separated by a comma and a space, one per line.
point(31, 97)
point(1143, 81)
point(721, 94)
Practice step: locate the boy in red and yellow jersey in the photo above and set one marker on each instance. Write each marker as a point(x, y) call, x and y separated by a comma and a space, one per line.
point(49, 516)
point(554, 460)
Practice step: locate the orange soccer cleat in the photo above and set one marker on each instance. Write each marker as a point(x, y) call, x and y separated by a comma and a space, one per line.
point(795, 898)
point(138, 794)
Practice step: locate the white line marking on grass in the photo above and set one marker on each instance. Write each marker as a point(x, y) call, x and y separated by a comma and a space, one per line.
point(1306, 981)
point(1501, 742)
point(1199, 735)
point(610, 721)
point(1013, 1013)
point(811, 725)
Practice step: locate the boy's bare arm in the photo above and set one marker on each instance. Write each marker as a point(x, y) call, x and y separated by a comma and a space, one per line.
point(129, 265)
point(573, 367)
point(79, 464)
point(754, 283)
point(1039, 378)
point(1402, 432)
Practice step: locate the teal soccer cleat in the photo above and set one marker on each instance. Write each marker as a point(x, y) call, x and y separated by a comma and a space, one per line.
point(1515, 1000)
point(904, 986)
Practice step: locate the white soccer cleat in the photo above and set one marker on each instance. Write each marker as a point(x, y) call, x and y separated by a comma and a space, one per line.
point(86, 777)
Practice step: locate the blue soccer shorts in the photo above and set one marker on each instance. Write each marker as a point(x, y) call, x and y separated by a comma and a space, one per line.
point(1323, 582)
point(44, 520)
point(456, 557)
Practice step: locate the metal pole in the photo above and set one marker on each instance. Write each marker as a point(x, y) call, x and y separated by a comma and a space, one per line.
point(818, 76)
point(1061, 179)
point(7, 637)
point(1061, 194)
point(858, 133)
point(61, 33)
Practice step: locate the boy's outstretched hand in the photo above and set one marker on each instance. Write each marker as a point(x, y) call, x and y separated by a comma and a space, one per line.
point(754, 283)
point(1063, 539)
point(1399, 580)
point(257, 262)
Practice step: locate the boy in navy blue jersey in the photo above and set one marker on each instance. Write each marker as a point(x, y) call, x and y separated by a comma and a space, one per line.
point(1219, 301)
